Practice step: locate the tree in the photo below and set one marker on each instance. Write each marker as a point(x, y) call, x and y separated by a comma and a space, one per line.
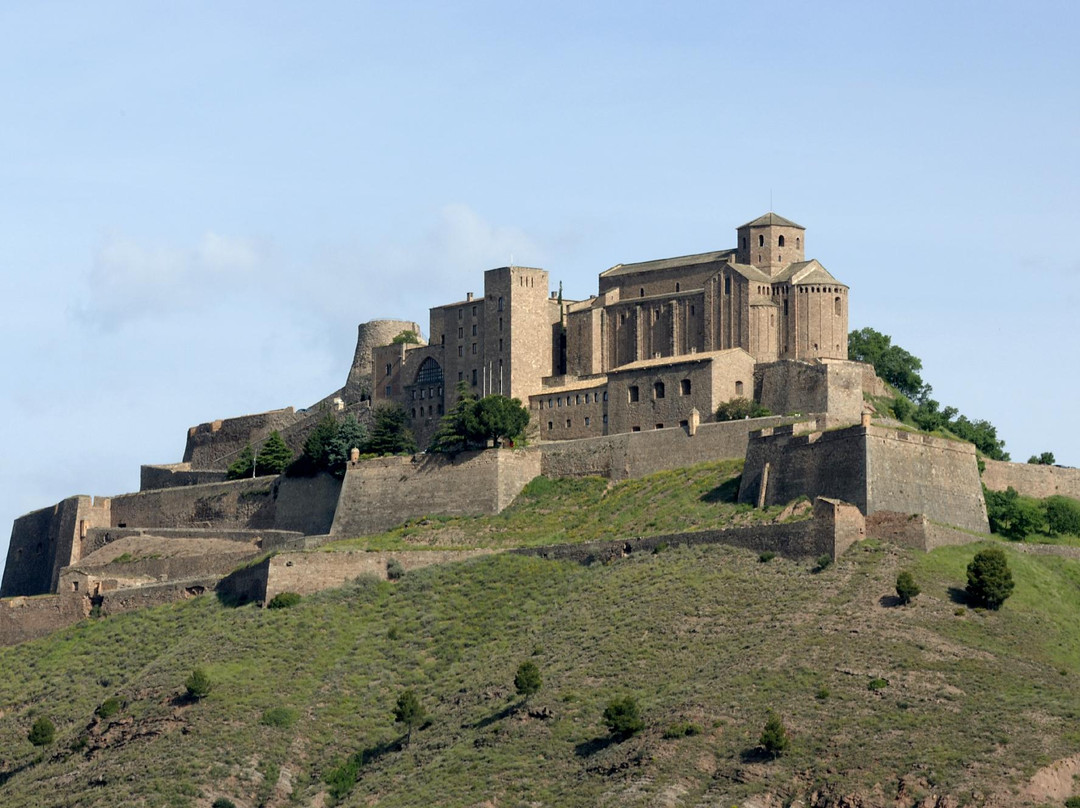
point(906, 588)
point(42, 733)
point(1062, 515)
point(198, 684)
point(350, 434)
point(891, 362)
point(408, 711)
point(774, 736)
point(496, 418)
point(990, 581)
point(527, 681)
point(453, 433)
point(1012, 515)
point(1044, 459)
point(407, 337)
point(623, 717)
point(390, 433)
point(317, 447)
point(274, 456)
point(739, 408)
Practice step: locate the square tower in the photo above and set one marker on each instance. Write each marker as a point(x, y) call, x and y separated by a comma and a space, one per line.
point(770, 243)
point(518, 328)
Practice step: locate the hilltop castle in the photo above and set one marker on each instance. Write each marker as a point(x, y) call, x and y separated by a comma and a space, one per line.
point(621, 385)
point(661, 339)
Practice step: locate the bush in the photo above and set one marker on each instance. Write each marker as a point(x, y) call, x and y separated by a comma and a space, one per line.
point(682, 729)
point(739, 408)
point(906, 588)
point(1012, 515)
point(1072, 802)
point(989, 578)
point(394, 569)
point(283, 600)
point(527, 681)
point(1062, 515)
point(198, 684)
point(1044, 459)
point(42, 733)
point(223, 802)
point(774, 737)
point(623, 716)
point(824, 561)
point(877, 684)
point(108, 708)
point(283, 717)
point(766, 557)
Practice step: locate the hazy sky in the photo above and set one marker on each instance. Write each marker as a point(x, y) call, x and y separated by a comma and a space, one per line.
point(200, 201)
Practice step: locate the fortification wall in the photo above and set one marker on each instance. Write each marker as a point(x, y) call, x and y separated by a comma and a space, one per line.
point(127, 600)
point(635, 454)
point(380, 493)
point(1032, 480)
point(213, 445)
point(818, 464)
point(174, 475)
point(46, 540)
point(914, 473)
point(915, 530)
point(24, 618)
point(834, 387)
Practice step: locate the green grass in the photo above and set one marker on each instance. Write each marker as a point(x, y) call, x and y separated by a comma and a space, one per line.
point(704, 636)
point(558, 511)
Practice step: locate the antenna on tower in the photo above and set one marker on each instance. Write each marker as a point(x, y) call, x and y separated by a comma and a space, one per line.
point(770, 200)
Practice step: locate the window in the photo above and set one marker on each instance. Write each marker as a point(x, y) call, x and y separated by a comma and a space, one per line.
point(500, 323)
point(587, 398)
point(474, 349)
point(588, 421)
point(727, 284)
point(474, 377)
point(622, 318)
point(761, 241)
point(684, 387)
point(633, 392)
point(558, 401)
point(389, 391)
point(551, 403)
point(691, 311)
point(541, 403)
point(414, 412)
point(676, 286)
point(460, 350)
point(500, 309)
point(460, 333)
point(635, 429)
point(641, 292)
point(797, 240)
point(836, 306)
point(780, 241)
point(500, 347)
point(577, 399)
point(659, 426)
point(738, 388)
point(567, 423)
point(460, 374)
point(474, 329)
point(442, 339)
point(605, 395)
point(658, 390)
point(389, 368)
point(605, 420)
point(474, 311)
point(422, 394)
point(551, 425)
point(430, 372)
point(744, 242)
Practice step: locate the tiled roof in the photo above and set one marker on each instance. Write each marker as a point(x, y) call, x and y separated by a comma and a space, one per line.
point(677, 360)
point(771, 219)
point(668, 263)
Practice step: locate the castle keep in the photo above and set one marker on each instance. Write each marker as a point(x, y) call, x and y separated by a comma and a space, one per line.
point(623, 384)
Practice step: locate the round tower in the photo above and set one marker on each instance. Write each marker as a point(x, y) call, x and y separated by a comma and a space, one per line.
point(373, 334)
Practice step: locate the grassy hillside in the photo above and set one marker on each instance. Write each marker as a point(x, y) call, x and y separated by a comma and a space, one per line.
point(974, 701)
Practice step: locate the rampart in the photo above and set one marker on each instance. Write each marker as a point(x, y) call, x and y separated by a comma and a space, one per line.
point(830, 386)
point(876, 468)
point(629, 455)
point(214, 444)
point(380, 493)
point(24, 618)
point(1032, 480)
point(914, 530)
point(173, 475)
point(834, 527)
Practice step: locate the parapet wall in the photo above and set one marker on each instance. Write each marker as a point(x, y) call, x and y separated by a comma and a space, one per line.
point(174, 475)
point(1032, 480)
point(629, 455)
point(381, 493)
point(214, 445)
point(834, 387)
point(876, 468)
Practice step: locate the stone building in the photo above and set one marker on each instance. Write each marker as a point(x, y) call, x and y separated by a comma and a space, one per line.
point(660, 340)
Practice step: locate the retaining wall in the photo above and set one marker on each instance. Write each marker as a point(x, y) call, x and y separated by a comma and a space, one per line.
point(1032, 480)
point(915, 530)
point(383, 492)
point(24, 618)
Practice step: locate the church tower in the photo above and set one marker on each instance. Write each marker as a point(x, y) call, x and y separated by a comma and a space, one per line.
point(770, 243)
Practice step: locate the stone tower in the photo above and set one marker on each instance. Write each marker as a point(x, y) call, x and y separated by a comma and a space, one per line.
point(770, 243)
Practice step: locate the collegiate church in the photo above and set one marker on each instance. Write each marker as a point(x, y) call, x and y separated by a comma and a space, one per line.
point(662, 344)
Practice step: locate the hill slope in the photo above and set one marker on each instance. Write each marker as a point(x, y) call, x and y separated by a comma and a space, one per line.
point(975, 702)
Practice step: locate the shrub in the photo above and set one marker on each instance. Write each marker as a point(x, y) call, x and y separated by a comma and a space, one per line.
point(527, 681)
point(823, 562)
point(408, 711)
point(623, 716)
point(766, 557)
point(283, 717)
point(1044, 459)
point(906, 588)
point(989, 578)
point(394, 569)
point(877, 684)
point(42, 733)
point(1062, 515)
point(223, 802)
point(1072, 802)
point(822, 693)
point(739, 408)
point(682, 729)
point(283, 600)
point(774, 736)
point(108, 708)
point(198, 684)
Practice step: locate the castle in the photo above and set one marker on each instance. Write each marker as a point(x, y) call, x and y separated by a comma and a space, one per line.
point(621, 385)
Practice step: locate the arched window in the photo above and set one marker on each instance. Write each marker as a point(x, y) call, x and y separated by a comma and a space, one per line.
point(836, 306)
point(797, 242)
point(738, 388)
point(761, 241)
point(642, 292)
point(430, 372)
point(744, 242)
point(727, 284)
point(676, 286)
point(780, 241)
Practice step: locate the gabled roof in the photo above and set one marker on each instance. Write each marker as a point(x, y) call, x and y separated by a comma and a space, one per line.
point(805, 272)
point(770, 218)
point(668, 263)
point(751, 273)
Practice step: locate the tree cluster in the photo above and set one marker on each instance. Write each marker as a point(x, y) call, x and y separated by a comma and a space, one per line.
point(739, 408)
point(1044, 459)
point(1016, 517)
point(273, 457)
point(913, 403)
point(329, 444)
point(474, 422)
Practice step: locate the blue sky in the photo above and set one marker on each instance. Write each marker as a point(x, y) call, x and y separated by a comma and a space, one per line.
point(200, 201)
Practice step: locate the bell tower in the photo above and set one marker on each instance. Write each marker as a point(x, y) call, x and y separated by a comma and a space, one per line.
point(770, 243)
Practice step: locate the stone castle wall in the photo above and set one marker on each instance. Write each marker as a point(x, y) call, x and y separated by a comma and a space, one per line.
point(371, 335)
point(381, 493)
point(215, 444)
point(174, 475)
point(1032, 480)
point(875, 468)
point(27, 618)
point(914, 530)
point(833, 386)
point(635, 454)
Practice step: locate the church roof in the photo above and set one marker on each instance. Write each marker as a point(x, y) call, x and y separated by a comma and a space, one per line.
point(770, 218)
point(751, 273)
point(668, 263)
point(681, 359)
point(804, 272)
